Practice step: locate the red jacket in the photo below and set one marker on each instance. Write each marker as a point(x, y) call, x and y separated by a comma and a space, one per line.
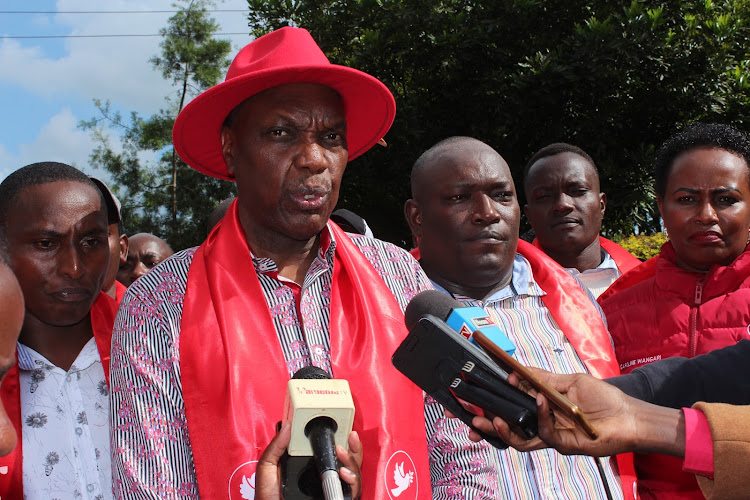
point(657, 311)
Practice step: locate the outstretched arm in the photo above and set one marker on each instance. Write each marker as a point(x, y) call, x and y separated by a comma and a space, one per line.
point(624, 424)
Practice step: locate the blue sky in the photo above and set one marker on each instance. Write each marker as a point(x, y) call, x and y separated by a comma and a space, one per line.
point(47, 85)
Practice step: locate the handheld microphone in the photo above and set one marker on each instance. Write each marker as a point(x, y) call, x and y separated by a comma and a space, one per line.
point(322, 415)
point(464, 320)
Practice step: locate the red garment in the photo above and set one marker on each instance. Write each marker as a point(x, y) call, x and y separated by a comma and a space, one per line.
point(120, 290)
point(583, 327)
point(102, 322)
point(234, 376)
point(624, 260)
point(658, 311)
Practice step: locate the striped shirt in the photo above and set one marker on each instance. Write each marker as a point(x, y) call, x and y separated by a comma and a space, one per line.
point(544, 474)
point(150, 444)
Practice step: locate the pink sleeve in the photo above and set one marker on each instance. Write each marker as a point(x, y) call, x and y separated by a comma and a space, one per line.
point(699, 449)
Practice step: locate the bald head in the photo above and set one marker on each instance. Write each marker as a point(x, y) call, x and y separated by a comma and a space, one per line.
point(465, 215)
point(447, 151)
point(145, 251)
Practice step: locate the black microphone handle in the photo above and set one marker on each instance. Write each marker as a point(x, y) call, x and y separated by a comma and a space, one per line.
point(321, 432)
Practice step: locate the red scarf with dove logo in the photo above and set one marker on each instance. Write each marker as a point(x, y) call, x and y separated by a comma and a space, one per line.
point(234, 375)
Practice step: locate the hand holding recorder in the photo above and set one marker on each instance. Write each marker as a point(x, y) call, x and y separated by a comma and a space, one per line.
point(624, 423)
point(465, 378)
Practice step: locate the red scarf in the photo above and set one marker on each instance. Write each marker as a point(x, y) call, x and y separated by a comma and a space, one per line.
point(624, 260)
point(120, 290)
point(583, 327)
point(234, 375)
point(102, 321)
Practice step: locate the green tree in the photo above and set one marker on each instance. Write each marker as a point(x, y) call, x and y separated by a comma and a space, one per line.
point(615, 79)
point(164, 196)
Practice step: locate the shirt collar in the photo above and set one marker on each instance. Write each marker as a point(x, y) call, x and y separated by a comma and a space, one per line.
point(326, 249)
point(521, 283)
point(29, 359)
point(607, 263)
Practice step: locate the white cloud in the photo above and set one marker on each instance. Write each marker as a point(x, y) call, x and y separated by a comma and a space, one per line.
point(61, 140)
point(58, 140)
point(107, 68)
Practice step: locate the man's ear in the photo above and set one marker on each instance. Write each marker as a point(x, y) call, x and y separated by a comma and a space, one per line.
point(124, 244)
point(603, 202)
point(413, 215)
point(526, 211)
point(227, 145)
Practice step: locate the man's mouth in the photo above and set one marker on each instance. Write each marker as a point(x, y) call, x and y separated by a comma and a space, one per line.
point(72, 294)
point(310, 198)
point(488, 236)
point(566, 223)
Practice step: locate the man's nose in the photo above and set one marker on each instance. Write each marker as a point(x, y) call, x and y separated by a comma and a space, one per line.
point(486, 210)
point(312, 157)
point(69, 262)
point(139, 270)
point(563, 203)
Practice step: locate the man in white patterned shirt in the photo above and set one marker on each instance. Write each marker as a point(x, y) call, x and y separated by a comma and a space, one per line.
point(205, 343)
point(465, 215)
point(54, 222)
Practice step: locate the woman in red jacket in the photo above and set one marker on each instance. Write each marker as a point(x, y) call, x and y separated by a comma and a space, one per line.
point(693, 297)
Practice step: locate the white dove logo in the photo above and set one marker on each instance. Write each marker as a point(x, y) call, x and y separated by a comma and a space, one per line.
point(242, 482)
point(400, 477)
point(403, 481)
point(247, 488)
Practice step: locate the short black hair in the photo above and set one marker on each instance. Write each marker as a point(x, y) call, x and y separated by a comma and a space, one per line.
point(698, 136)
point(33, 175)
point(557, 148)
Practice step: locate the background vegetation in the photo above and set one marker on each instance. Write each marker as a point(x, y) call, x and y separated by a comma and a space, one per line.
point(615, 79)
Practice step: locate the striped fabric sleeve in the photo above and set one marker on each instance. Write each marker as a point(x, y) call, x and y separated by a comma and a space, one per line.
point(459, 468)
point(151, 457)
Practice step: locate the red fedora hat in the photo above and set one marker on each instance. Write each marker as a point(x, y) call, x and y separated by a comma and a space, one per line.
point(287, 55)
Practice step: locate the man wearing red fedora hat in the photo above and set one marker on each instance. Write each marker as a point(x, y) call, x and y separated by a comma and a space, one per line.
point(205, 343)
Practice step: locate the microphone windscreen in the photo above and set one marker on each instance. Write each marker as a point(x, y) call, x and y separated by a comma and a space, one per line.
point(432, 302)
point(311, 373)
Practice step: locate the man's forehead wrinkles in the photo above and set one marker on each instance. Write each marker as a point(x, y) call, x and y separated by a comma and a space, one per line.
point(307, 118)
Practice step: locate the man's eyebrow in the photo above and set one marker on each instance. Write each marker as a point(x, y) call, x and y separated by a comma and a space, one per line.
point(289, 120)
point(96, 230)
point(715, 191)
point(44, 233)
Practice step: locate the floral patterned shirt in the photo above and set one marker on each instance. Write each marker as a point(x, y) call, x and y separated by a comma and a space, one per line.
point(65, 418)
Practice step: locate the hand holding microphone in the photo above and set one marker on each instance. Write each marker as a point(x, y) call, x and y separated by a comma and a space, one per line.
point(301, 460)
point(268, 480)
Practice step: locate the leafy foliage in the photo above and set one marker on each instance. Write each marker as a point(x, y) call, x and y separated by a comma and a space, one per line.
point(614, 79)
point(644, 246)
point(164, 196)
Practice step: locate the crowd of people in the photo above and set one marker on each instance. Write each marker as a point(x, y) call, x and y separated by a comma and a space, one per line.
point(133, 371)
